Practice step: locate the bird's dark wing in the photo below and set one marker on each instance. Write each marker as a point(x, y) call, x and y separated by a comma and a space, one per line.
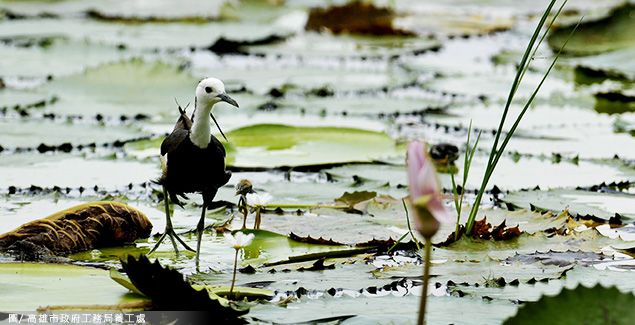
point(215, 142)
point(173, 140)
point(183, 122)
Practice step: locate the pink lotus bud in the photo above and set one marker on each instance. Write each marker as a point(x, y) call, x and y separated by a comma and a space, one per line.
point(425, 196)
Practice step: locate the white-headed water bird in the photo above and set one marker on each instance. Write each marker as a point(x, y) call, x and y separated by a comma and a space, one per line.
point(193, 160)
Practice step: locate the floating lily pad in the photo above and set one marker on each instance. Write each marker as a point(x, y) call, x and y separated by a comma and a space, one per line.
point(547, 130)
point(62, 57)
point(152, 35)
point(609, 34)
point(274, 145)
point(54, 134)
point(297, 76)
point(484, 272)
point(12, 98)
point(312, 45)
point(590, 305)
point(590, 240)
point(495, 86)
point(28, 286)
point(470, 17)
point(63, 171)
point(601, 205)
point(458, 57)
point(605, 275)
point(372, 309)
point(369, 105)
point(163, 8)
point(552, 175)
point(125, 88)
point(617, 64)
point(280, 145)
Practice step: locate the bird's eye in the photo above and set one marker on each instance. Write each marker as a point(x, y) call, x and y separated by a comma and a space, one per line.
point(208, 90)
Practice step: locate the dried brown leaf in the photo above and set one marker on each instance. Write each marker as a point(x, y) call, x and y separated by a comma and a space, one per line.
point(83, 227)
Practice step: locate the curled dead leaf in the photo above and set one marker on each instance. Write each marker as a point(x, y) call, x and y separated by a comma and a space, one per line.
point(482, 230)
point(83, 227)
point(355, 17)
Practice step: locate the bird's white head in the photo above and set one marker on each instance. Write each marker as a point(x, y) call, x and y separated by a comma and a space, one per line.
point(211, 91)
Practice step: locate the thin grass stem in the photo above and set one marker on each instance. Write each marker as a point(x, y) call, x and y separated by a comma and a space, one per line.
point(496, 151)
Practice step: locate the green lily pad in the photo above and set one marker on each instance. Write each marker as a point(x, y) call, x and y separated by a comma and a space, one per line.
point(63, 57)
point(12, 98)
point(162, 8)
point(266, 74)
point(367, 105)
point(279, 145)
point(609, 34)
point(608, 275)
point(496, 85)
point(547, 129)
point(116, 89)
point(73, 171)
point(112, 37)
point(28, 286)
point(372, 309)
point(601, 205)
point(271, 248)
point(312, 44)
point(617, 64)
point(596, 305)
point(274, 145)
point(487, 271)
point(54, 134)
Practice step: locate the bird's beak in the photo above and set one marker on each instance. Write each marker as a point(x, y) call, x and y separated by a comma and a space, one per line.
point(224, 97)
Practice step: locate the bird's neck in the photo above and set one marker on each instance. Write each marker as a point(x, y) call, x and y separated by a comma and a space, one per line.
point(201, 132)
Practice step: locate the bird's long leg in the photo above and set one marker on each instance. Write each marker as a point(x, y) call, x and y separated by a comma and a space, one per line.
point(244, 219)
point(257, 222)
point(242, 208)
point(169, 229)
point(199, 231)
